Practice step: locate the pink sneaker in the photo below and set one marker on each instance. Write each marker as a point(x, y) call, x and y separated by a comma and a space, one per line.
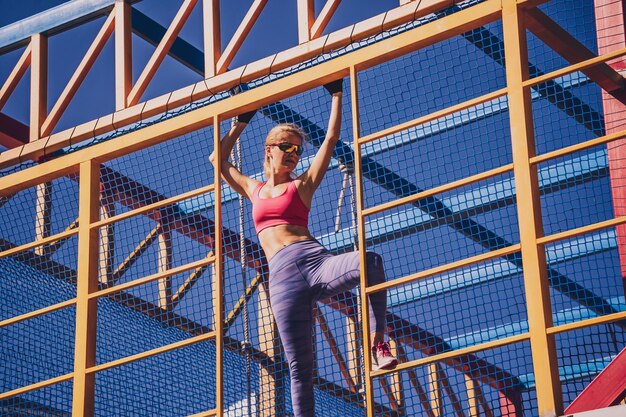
point(382, 357)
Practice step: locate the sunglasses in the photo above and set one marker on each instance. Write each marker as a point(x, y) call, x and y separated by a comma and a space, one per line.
point(289, 148)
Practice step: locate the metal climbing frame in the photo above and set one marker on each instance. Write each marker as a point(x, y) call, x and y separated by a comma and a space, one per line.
point(468, 370)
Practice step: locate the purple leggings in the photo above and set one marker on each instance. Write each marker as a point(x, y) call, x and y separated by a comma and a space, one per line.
point(301, 274)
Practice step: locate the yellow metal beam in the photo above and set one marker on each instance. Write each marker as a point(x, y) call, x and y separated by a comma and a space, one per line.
point(123, 53)
point(243, 299)
point(43, 242)
point(209, 413)
point(444, 357)
point(596, 321)
point(549, 398)
point(578, 147)
point(324, 17)
point(453, 398)
point(37, 313)
point(366, 342)
point(306, 18)
point(133, 256)
point(79, 75)
point(38, 84)
point(53, 247)
point(397, 387)
point(212, 36)
point(107, 241)
point(218, 281)
point(186, 286)
point(354, 350)
point(240, 35)
point(472, 400)
point(15, 76)
point(433, 116)
point(389, 391)
point(86, 308)
point(161, 51)
point(152, 352)
point(435, 391)
point(164, 261)
point(568, 234)
point(154, 277)
point(43, 214)
point(36, 386)
point(155, 206)
point(443, 268)
point(417, 386)
point(366, 57)
point(580, 66)
point(271, 378)
point(438, 190)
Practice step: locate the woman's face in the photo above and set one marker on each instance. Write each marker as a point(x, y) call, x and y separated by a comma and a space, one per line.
point(283, 155)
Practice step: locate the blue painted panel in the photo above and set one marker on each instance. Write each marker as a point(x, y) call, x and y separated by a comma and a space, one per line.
point(499, 269)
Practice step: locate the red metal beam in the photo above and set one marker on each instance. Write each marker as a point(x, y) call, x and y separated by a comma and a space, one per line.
point(574, 51)
point(12, 132)
point(511, 404)
point(607, 389)
point(611, 36)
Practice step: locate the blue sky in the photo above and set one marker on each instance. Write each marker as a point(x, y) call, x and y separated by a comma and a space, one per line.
point(67, 48)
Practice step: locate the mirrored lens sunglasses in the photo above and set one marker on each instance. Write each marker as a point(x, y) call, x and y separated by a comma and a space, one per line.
point(289, 148)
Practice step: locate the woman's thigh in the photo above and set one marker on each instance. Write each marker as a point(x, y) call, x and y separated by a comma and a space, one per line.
point(338, 274)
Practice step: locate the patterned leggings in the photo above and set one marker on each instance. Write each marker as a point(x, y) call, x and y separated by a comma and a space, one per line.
point(301, 274)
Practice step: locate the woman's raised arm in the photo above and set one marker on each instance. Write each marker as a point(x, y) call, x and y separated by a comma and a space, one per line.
point(241, 183)
point(313, 176)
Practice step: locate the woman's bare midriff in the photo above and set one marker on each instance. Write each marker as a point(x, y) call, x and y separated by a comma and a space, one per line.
point(277, 237)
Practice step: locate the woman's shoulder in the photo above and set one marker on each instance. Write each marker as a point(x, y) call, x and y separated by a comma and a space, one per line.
point(256, 186)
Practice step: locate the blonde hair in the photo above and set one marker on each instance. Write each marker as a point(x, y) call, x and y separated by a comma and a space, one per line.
point(290, 128)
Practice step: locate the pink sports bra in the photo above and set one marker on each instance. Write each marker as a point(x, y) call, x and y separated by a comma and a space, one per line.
point(287, 208)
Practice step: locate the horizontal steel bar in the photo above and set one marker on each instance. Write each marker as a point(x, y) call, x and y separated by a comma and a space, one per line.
point(565, 320)
point(475, 102)
point(452, 354)
point(595, 321)
point(154, 206)
point(480, 199)
point(151, 352)
point(36, 386)
point(578, 147)
point(499, 269)
point(532, 82)
point(36, 313)
point(438, 190)
point(572, 372)
point(443, 268)
point(581, 230)
point(50, 239)
point(154, 277)
point(209, 413)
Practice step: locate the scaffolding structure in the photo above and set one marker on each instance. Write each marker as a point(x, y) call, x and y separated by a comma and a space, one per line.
point(485, 142)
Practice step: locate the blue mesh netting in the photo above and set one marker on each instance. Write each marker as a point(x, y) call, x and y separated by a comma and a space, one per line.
point(450, 310)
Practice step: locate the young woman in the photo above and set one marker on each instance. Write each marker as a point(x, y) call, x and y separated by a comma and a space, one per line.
point(301, 271)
